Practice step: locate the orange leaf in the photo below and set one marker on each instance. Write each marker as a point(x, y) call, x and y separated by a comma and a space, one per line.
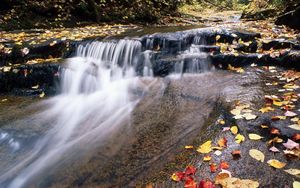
point(190, 170)
point(222, 142)
point(296, 137)
point(213, 167)
point(236, 154)
point(275, 131)
point(223, 165)
point(207, 158)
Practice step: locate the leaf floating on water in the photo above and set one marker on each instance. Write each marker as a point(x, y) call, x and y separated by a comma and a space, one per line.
point(276, 164)
point(295, 172)
point(239, 138)
point(256, 154)
point(3, 100)
point(290, 144)
point(205, 148)
point(254, 136)
point(234, 129)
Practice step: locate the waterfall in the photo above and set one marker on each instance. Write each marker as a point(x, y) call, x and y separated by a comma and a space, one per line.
point(94, 101)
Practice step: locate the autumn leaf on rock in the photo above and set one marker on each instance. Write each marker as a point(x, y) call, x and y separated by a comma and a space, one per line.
point(213, 167)
point(254, 136)
point(290, 114)
point(239, 138)
point(223, 165)
point(295, 172)
point(275, 140)
point(266, 109)
point(274, 149)
point(206, 184)
point(236, 154)
point(276, 164)
point(221, 121)
point(222, 142)
point(295, 126)
point(234, 129)
point(190, 183)
point(296, 184)
point(188, 147)
point(237, 183)
point(205, 148)
point(256, 154)
point(296, 137)
point(290, 144)
point(275, 131)
point(207, 158)
point(178, 176)
point(190, 170)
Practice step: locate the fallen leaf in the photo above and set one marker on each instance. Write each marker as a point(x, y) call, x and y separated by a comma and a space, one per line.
point(264, 126)
point(290, 144)
point(249, 116)
point(221, 121)
point(296, 137)
point(295, 172)
point(276, 140)
point(254, 136)
point(275, 131)
point(237, 183)
point(266, 109)
point(190, 183)
point(223, 165)
point(295, 153)
point(276, 164)
point(256, 154)
point(274, 149)
point(213, 167)
point(234, 129)
point(42, 95)
point(205, 148)
point(206, 184)
point(190, 170)
point(295, 126)
point(239, 138)
point(276, 118)
point(177, 176)
point(296, 184)
point(236, 154)
point(218, 153)
point(188, 147)
point(290, 114)
point(207, 158)
point(222, 142)
point(226, 129)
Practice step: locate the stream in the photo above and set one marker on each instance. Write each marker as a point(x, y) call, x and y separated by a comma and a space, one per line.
point(124, 108)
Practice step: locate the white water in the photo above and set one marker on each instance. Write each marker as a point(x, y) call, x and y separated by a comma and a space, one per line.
point(94, 102)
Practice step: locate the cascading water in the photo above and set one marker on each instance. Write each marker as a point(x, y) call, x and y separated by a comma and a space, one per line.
point(94, 102)
point(95, 98)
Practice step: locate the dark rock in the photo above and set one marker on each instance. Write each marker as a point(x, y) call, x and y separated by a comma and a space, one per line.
point(259, 15)
point(251, 48)
point(279, 44)
point(290, 19)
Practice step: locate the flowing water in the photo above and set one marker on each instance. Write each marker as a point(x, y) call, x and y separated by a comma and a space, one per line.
point(101, 87)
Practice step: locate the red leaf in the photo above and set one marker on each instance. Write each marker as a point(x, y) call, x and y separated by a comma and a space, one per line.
point(190, 183)
point(206, 184)
point(190, 170)
point(275, 131)
point(213, 167)
point(223, 165)
point(178, 176)
point(222, 142)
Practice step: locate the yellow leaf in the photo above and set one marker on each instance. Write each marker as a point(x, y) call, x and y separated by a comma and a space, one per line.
point(239, 138)
point(207, 158)
point(174, 177)
point(295, 172)
point(234, 129)
point(221, 121)
point(266, 109)
point(205, 148)
point(264, 126)
point(188, 147)
point(295, 126)
point(249, 116)
point(42, 95)
point(276, 164)
point(254, 136)
point(296, 184)
point(277, 103)
point(256, 154)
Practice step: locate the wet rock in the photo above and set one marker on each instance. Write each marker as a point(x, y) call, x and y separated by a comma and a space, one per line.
point(259, 15)
point(21, 79)
point(279, 44)
point(251, 48)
